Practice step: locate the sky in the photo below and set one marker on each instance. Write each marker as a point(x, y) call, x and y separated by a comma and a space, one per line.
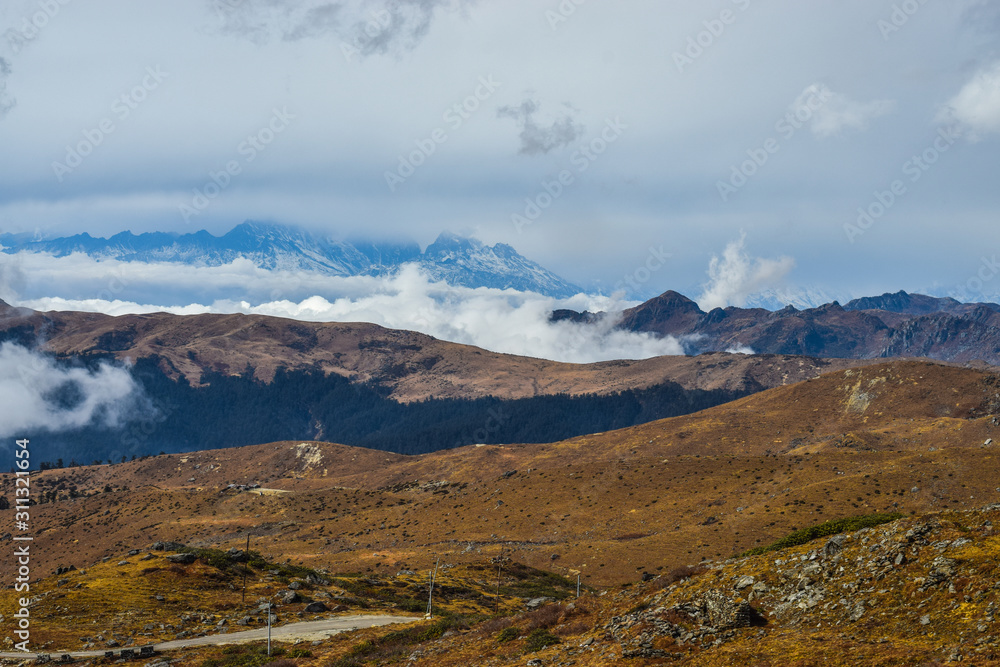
point(686, 125)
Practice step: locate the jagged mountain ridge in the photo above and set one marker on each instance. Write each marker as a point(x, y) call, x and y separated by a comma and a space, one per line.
point(451, 258)
point(891, 325)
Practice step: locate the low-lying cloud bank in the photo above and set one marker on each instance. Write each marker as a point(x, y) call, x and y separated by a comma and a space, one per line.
point(38, 394)
point(506, 321)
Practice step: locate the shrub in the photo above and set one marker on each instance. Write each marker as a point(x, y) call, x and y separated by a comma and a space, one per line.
point(544, 617)
point(574, 628)
point(508, 635)
point(834, 527)
point(675, 575)
point(494, 625)
point(539, 639)
point(283, 662)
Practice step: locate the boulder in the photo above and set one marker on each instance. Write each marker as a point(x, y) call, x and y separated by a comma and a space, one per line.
point(183, 558)
point(316, 608)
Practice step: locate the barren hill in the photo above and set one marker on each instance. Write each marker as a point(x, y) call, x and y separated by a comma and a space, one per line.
point(412, 365)
point(894, 437)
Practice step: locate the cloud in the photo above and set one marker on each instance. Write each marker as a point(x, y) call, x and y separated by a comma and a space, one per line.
point(12, 278)
point(735, 277)
point(38, 394)
point(363, 27)
point(976, 107)
point(537, 139)
point(505, 321)
point(829, 113)
point(7, 102)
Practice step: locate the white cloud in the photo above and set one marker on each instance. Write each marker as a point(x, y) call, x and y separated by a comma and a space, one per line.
point(976, 108)
point(505, 321)
point(39, 395)
point(829, 113)
point(735, 277)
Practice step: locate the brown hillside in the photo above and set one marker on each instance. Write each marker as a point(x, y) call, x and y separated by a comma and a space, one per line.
point(611, 505)
point(413, 365)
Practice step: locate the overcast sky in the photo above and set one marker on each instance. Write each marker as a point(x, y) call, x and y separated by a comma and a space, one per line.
point(681, 125)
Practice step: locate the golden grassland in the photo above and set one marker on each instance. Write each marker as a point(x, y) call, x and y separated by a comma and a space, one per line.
point(906, 437)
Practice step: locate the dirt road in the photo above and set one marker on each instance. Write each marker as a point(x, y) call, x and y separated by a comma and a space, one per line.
point(305, 631)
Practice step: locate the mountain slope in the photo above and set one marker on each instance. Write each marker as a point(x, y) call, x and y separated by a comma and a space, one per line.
point(412, 366)
point(611, 505)
point(456, 260)
point(893, 325)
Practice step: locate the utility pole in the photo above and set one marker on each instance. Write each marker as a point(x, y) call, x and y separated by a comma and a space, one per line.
point(430, 596)
point(269, 630)
point(496, 606)
point(246, 566)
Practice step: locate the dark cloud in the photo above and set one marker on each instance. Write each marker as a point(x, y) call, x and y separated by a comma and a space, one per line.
point(983, 16)
point(537, 139)
point(363, 27)
point(6, 101)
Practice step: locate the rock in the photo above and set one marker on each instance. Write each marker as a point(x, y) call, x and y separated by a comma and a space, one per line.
point(834, 545)
point(290, 597)
point(725, 613)
point(123, 562)
point(942, 570)
point(858, 612)
point(236, 555)
point(295, 585)
point(339, 608)
point(316, 608)
point(744, 582)
point(183, 558)
point(148, 557)
point(535, 603)
point(316, 580)
point(168, 546)
point(925, 620)
point(160, 598)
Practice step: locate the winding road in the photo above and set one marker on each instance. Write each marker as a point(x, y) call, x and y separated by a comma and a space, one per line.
point(304, 631)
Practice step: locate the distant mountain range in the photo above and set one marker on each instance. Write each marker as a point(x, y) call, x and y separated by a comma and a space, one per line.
point(890, 325)
point(451, 258)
